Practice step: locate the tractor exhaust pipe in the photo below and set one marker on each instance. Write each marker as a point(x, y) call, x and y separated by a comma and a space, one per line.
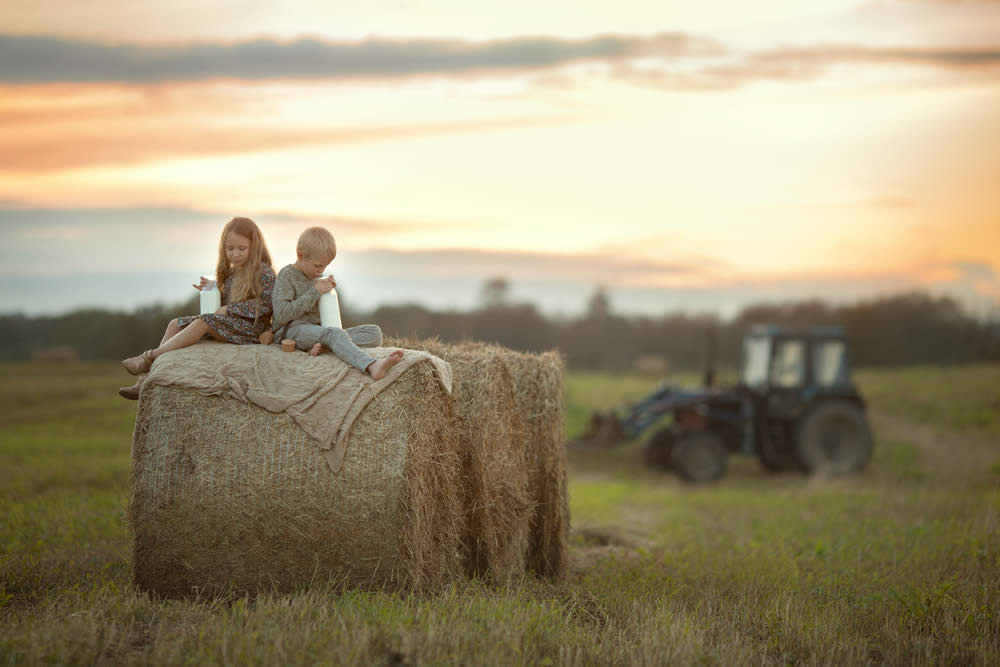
point(708, 379)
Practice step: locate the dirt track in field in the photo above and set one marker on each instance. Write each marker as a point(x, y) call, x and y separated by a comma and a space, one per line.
point(947, 452)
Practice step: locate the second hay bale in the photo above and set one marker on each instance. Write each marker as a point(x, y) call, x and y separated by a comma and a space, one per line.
point(494, 458)
point(540, 525)
point(538, 391)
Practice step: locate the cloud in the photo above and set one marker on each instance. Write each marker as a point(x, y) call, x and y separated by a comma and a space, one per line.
point(42, 59)
point(975, 271)
point(680, 61)
point(597, 267)
point(62, 241)
point(22, 220)
point(803, 64)
point(952, 58)
point(136, 143)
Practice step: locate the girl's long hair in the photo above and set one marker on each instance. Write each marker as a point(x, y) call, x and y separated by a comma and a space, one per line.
point(247, 282)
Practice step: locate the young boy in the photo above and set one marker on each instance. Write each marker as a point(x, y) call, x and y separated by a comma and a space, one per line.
point(295, 302)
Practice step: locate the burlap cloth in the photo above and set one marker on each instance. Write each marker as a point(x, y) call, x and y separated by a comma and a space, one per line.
point(323, 394)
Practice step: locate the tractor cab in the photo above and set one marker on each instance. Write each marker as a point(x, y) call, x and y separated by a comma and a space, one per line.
point(810, 360)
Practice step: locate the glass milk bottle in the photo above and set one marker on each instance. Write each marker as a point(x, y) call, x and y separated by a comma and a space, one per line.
point(329, 309)
point(211, 299)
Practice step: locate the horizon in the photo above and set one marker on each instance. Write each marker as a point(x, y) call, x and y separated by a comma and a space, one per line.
point(685, 158)
point(629, 304)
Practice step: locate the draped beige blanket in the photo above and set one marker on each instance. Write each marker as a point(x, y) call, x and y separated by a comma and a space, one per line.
point(323, 394)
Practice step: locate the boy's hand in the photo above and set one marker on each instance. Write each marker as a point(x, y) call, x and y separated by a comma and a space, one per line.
point(201, 285)
point(324, 285)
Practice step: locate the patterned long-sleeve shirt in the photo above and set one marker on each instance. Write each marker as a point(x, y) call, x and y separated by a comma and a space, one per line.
point(241, 324)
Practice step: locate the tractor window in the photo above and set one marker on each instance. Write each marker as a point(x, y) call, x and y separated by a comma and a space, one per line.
point(755, 361)
point(828, 358)
point(788, 367)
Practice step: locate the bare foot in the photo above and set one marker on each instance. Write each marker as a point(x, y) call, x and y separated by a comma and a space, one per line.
point(316, 349)
point(378, 368)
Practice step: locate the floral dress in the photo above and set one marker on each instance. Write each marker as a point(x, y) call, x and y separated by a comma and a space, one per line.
point(237, 326)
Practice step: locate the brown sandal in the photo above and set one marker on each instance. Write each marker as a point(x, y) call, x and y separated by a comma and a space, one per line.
point(140, 364)
point(132, 393)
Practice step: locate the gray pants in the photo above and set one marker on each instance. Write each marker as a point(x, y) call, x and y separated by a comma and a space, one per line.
point(345, 343)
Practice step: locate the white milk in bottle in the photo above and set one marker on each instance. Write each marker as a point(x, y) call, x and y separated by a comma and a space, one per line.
point(211, 299)
point(329, 309)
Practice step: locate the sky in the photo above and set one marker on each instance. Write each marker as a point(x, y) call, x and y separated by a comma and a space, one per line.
point(684, 156)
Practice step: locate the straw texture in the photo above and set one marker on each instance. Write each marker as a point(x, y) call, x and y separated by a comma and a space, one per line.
point(510, 407)
point(538, 391)
point(229, 497)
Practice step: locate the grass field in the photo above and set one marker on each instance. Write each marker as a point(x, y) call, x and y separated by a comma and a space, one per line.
point(898, 565)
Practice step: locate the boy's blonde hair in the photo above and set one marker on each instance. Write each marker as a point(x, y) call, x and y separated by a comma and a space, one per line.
point(317, 243)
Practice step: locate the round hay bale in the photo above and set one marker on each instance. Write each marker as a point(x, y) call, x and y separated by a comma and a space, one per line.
point(494, 458)
point(538, 390)
point(538, 402)
point(230, 497)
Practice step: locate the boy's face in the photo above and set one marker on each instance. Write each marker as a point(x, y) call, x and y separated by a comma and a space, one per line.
point(312, 267)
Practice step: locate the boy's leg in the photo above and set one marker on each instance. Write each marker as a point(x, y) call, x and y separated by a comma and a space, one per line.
point(340, 342)
point(306, 335)
point(365, 335)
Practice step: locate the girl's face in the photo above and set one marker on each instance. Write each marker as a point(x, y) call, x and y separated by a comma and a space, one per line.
point(237, 249)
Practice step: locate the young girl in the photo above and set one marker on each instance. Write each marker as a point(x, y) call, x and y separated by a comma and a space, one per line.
point(246, 277)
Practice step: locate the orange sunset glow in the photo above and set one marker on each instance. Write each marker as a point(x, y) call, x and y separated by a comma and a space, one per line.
point(685, 157)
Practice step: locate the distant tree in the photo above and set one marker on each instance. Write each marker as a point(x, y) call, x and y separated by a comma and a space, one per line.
point(599, 304)
point(495, 293)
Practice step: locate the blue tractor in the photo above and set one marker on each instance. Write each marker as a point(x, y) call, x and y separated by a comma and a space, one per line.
point(795, 408)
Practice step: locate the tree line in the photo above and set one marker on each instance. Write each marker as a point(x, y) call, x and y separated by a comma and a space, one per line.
point(903, 329)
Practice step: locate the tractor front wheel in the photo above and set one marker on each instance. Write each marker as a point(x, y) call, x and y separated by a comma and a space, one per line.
point(834, 438)
point(699, 457)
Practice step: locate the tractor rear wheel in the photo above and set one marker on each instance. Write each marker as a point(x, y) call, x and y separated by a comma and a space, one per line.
point(659, 448)
point(699, 457)
point(834, 438)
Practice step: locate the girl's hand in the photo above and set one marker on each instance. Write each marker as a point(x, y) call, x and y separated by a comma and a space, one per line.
point(200, 286)
point(222, 311)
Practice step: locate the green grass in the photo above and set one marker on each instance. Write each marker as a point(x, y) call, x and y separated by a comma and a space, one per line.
point(897, 565)
point(960, 397)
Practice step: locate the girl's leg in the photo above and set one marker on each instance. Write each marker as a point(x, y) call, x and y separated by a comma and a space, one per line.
point(172, 330)
point(189, 335)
